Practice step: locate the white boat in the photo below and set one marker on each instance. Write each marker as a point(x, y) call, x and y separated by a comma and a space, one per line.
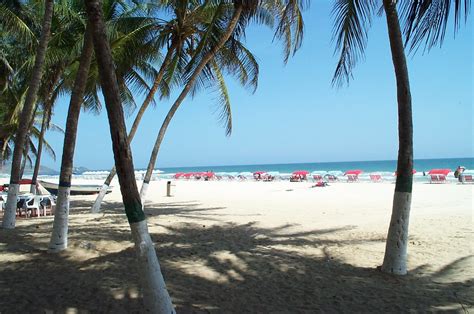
point(76, 189)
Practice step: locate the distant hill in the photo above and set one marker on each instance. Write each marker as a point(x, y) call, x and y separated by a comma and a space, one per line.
point(6, 169)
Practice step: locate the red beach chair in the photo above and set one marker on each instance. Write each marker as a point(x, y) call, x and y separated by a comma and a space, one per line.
point(438, 175)
point(375, 178)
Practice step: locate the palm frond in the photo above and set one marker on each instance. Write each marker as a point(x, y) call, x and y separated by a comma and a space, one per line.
point(352, 20)
point(425, 21)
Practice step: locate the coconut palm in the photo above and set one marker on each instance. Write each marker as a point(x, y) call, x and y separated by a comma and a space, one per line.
point(156, 297)
point(424, 21)
point(180, 33)
point(132, 53)
point(26, 116)
point(290, 27)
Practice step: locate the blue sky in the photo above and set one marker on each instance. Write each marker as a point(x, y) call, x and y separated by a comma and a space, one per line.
point(297, 116)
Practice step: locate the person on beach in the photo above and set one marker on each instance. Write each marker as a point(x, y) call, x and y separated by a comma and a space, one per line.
point(458, 173)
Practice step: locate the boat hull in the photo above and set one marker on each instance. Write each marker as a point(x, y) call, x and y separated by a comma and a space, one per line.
point(76, 189)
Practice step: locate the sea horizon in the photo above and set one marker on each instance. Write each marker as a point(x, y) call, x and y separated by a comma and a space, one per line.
point(424, 164)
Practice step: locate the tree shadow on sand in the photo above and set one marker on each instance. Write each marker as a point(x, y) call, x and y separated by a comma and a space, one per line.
point(225, 267)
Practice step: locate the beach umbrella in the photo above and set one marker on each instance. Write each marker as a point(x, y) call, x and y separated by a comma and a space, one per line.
point(440, 171)
point(259, 172)
point(356, 172)
point(179, 175)
point(301, 172)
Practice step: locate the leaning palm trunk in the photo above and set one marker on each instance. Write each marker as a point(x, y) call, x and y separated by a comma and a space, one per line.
point(155, 295)
point(34, 178)
point(26, 114)
point(161, 134)
point(59, 235)
point(395, 260)
point(98, 201)
point(48, 107)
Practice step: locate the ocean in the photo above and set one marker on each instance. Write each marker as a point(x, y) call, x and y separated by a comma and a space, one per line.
point(367, 166)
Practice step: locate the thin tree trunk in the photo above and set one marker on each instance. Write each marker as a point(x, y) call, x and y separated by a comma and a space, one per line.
point(98, 201)
point(59, 235)
point(161, 134)
point(155, 295)
point(9, 218)
point(24, 158)
point(39, 150)
point(395, 259)
point(48, 108)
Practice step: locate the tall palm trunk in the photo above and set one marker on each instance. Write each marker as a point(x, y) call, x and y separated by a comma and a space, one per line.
point(155, 295)
point(2, 144)
point(59, 235)
point(161, 134)
point(395, 259)
point(26, 114)
point(39, 150)
point(98, 201)
point(48, 107)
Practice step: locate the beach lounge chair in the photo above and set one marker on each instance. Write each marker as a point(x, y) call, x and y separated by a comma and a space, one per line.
point(467, 176)
point(351, 178)
point(438, 175)
point(317, 177)
point(375, 178)
point(331, 178)
point(352, 175)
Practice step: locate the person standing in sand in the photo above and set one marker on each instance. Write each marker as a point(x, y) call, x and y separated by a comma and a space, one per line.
point(458, 173)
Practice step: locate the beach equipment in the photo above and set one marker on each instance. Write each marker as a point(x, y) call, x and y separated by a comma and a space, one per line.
point(467, 176)
point(375, 177)
point(299, 175)
point(438, 175)
point(353, 175)
point(258, 175)
point(318, 176)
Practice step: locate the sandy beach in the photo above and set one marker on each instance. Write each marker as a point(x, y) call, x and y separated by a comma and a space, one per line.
point(250, 247)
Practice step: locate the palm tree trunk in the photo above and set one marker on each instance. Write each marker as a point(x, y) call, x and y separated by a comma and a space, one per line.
point(2, 144)
point(161, 134)
point(395, 259)
point(155, 295)
point(26, 113)
point(59, 235)
point(98, 201)
point(48, 107)
point(40, 148)
point(24, 158)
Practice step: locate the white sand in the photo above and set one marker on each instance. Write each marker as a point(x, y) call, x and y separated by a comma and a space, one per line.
point(259, 247)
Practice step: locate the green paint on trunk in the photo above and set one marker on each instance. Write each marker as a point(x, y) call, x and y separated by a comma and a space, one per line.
point(134, 211)
point(404, 183)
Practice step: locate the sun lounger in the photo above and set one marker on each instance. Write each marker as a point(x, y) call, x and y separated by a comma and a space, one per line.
point(438, 178)
point(467, 178)
point(351, 178)
point(375, 178)
point(331, 178)
point(317, 177)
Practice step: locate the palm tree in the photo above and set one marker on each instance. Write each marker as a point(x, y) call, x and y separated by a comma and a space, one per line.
point(26, 116)
point(156, 297)
point(424, 20)
point(290, 27)
point(129, 37)
point(179, 33)
point(59, 234)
